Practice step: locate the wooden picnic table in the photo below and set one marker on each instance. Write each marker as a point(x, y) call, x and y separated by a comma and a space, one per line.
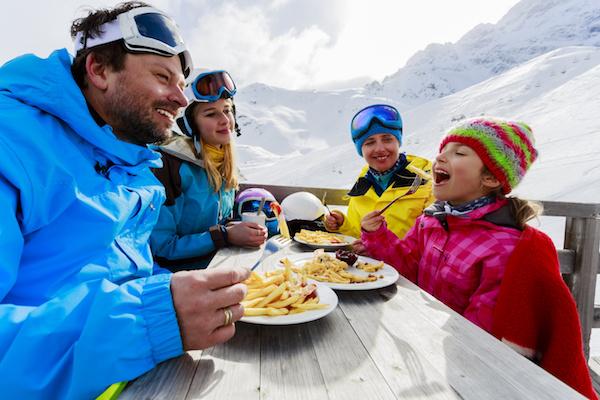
point(397, 342)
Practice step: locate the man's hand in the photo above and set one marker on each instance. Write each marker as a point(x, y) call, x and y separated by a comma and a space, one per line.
point(334, 220)
point(200, 299)
point(246, 234)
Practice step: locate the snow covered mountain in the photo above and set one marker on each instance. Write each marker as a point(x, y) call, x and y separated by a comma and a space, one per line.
point(556, 93)
point(530, 66)
point(529, 29)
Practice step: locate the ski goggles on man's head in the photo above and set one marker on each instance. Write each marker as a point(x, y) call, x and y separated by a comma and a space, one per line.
point(211, 86)
point(385, 115)
point(143, 30)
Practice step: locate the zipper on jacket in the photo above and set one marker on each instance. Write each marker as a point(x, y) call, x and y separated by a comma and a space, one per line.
point(442, 258)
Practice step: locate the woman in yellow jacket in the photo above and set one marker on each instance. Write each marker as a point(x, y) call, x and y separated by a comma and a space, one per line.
point(377, 134)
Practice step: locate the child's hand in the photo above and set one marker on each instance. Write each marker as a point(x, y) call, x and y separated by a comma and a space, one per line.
point(334, 220)
point(372, 221)
point(359, 248)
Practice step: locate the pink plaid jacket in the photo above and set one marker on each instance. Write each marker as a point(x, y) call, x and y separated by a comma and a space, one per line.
point(462, 265)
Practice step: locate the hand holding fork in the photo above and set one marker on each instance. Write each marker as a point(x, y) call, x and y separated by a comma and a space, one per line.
point(373, 220)
point(412, 189)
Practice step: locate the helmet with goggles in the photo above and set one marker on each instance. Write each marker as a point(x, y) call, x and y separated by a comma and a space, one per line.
point(375, 119)
point(210, 86)
point(249, 200)
point(143, 30)
point(207, 87)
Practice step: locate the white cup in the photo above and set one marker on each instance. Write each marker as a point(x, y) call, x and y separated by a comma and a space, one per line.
point(260, 219)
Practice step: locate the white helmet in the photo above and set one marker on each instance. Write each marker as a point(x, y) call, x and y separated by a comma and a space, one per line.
point(302, 205)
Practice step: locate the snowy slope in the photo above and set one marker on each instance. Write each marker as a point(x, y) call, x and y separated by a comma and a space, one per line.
point(529, 29)
point(556, 93)
point(283, 122)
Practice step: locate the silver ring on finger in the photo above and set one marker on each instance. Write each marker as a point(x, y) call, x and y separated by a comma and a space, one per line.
point(228, 316)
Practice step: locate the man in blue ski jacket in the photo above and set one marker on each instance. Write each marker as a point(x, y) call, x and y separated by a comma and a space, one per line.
point(82, 305)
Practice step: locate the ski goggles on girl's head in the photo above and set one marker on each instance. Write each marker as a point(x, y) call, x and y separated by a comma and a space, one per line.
point(252, 206)
point(143, 30)
point(385, 115)
point(211, 86)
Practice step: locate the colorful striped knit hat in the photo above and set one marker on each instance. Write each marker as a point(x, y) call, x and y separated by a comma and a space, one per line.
point(505, 147)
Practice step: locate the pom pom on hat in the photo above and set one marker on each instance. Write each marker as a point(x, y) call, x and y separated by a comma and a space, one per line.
point(505, 147)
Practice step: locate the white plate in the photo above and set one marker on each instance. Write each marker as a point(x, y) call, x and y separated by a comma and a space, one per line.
point(390, 275)
point(326, 296)
point(330, 246)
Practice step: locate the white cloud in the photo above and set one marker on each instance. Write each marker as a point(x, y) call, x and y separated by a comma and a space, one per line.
point(288, 43)
point(241, 41)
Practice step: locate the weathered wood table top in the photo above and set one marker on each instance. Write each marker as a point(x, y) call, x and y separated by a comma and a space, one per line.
point(393, 343)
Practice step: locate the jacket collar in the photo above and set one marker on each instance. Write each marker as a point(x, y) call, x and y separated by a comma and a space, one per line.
point(48, 85)
point(182, 148)
point(498, 213)
point(402, 178)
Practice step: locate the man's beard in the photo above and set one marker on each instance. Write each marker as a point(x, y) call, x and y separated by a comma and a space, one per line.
point(131, 123)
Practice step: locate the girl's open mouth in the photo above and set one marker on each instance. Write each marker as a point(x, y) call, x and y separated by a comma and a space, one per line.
point(440, 176)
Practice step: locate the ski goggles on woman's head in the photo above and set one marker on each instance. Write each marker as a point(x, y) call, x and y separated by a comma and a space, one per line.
point(385, 115)
point(143, 30)
point(211, 86)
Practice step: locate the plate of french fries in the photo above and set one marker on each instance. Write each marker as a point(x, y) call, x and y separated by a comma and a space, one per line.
point(364, 274)
point(323, 240)
point(283, 297)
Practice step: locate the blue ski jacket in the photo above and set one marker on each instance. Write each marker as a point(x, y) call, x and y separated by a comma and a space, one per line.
point(181, 234)
point(82, 305)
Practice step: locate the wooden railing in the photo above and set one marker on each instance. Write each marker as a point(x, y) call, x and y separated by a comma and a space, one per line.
point(579, 259)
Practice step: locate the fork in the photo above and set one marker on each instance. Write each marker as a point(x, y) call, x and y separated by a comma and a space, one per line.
point(323, 201)
point(272, 246)
point(413, 188)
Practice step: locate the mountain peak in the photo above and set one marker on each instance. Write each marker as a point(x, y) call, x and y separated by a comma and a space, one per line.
point(530, 28)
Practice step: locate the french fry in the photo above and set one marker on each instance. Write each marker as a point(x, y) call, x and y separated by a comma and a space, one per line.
point(286, 302)
point(309, 306)
point(257, 311)
point(260, 293)
point(319, 237)
point(275, 280)
point(265, 298)
point(273, 295)
point(419, 171)
point(326, 268)
point(283, 228)
point(252, 303)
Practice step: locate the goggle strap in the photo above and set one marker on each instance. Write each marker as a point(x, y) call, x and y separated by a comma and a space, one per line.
point(111, 32)
point(188, 127)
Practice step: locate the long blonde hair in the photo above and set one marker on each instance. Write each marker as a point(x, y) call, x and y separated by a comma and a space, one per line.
point(524, 210)
point(226, 173)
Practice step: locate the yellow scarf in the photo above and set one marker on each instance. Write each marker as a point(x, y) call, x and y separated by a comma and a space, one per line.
point(216, 155)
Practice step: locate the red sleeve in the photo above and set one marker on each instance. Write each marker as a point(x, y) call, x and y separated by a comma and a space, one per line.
point(536, 310)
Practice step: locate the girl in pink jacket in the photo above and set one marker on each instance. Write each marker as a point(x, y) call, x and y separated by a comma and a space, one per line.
point(464, 246)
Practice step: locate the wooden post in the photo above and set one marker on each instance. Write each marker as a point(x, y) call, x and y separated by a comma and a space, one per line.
point(583, 236)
